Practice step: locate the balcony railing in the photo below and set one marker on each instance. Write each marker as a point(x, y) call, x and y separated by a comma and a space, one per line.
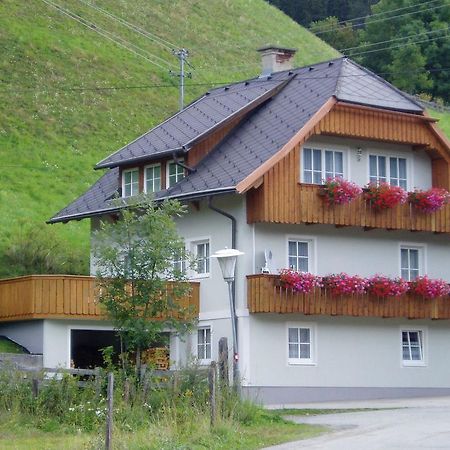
point(61, 297)
point(265, 295)
point(304, 205)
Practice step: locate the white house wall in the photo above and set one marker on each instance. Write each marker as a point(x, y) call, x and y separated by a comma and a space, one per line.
point(28, 333)
point(354, 357)
point(357, 166)
point(352, 249)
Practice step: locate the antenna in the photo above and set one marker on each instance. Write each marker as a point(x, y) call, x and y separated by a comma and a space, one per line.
point(182, 54)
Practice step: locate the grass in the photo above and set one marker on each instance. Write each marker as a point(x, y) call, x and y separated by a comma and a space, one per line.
point(25, 434)
point(7, 346)
point(51, 137)
point(318, 412)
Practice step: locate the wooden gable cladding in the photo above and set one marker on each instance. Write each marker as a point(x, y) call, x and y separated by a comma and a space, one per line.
point(265, 295)
point(203, 147)
point(280, 198)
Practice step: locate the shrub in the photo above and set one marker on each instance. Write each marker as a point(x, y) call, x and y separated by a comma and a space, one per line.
point(384, 196)
point(341, 284)
point(382, 286)
point(429, 201)
point(338, 191)
point(301, 282)
point(429, 288)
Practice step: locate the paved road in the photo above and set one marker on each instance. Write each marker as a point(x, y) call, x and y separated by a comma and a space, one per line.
point(417, 424)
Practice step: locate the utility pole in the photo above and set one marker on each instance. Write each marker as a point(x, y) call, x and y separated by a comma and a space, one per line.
point(182, 54)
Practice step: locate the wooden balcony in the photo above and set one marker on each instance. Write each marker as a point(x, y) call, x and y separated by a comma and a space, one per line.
point(60, 297)
point(265, 295)
point(304, 205)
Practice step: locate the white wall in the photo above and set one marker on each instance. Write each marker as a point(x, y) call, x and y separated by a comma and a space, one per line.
point(28, 333)
point(351, 352)
point(353, 250)
point(418, 162)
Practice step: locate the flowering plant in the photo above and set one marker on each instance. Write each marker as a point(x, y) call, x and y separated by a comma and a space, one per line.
point(302, 282)
point(340, 284)
point(429, 288)
point(338, 191)
point(429, 201)
point(385, 196)
point(382, 286)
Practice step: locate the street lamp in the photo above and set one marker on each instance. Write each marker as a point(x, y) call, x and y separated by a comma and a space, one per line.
point(227, 262)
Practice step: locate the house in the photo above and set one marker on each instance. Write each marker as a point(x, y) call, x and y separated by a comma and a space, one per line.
point(249, 160)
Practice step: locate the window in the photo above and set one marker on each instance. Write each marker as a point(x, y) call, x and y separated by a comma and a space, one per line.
point(411, 265)
point(201, 251)
point(300, 345)
point(391, 169)
point(130, 182)
point(204, 343)
point(175, 173)
point(318, 165)
point(298, 255)
point(153, 178)
point(179, 261)
point(412, 347)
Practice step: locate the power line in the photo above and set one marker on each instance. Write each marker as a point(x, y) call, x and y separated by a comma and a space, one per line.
point(400, 45)
point(152, 36)
point(108, 35)
point(385, 19)
point(213, 83)
point(393, 40)
point(325, 28)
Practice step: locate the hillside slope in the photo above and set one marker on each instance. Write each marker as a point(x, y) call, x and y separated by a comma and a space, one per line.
point(51, 134)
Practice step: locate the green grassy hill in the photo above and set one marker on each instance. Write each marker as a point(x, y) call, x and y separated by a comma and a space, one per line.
point(52, 133)
point(51, 136)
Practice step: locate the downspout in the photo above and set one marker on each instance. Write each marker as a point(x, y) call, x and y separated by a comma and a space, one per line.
point(236, 375)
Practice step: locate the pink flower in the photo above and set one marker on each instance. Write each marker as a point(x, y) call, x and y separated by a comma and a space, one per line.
point(385, 196)
point(302, 282)
point(429, 201)
point(338, 191)
point(429, 288)
point(382, 286)
point(341, 284)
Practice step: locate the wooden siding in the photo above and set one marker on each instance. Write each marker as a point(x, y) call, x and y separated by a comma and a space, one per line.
point(265, 295)
point(280, 198)
point(303, 204)
point(59, 297)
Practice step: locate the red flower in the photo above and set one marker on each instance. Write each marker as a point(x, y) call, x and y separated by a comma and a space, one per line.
point(342, 284)
point(302, 282)
point(385, 196)
point(429, 288)
point(382, 286)
point(338, 191)
point(429, 201)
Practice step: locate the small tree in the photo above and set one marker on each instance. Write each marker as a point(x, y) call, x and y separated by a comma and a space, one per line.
point(138, 282)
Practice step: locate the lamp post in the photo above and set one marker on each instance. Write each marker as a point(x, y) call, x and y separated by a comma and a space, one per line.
point(227, 262)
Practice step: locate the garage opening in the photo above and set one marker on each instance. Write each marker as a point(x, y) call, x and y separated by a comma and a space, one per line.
point(86, 349)
point(86, 346)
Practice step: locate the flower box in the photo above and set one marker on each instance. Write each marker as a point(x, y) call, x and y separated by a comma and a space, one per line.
point(429, 288)
point(429, 201)
point(301, 282)
point(385, 196)
point(383, 287)
point(337, 191)
point(342, 284)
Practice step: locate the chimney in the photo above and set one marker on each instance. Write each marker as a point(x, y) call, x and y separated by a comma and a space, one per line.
point(275, 59)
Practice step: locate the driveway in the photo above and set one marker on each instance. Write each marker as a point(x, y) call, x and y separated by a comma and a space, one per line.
point(416, 424)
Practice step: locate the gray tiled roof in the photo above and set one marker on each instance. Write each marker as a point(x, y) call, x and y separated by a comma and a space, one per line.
point(259, 135)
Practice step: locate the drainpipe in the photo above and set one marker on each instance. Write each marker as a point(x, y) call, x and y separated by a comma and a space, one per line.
point(233, 291)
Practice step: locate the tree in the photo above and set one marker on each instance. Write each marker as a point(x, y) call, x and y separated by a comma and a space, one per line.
point(137, 280)
point(339, 36)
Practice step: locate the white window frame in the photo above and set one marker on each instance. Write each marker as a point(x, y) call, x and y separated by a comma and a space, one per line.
point(312, 249)
point(312, 360)
point(423, 331)
point(193, 243)
point(323, 149)
point(134, 169)
point(422, 248)
point(168, 185)
point(409, 168)
point(200, 328)
point(150, 166)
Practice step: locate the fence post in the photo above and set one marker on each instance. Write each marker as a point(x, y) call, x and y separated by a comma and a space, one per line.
point(97, 382)
point(212, 391)
point(35, 387)
point(109, 417)
point(223, 361)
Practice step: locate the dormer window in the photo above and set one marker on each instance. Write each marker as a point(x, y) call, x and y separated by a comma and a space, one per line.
point(175, 173)
point(152, 176)
point(130, 182)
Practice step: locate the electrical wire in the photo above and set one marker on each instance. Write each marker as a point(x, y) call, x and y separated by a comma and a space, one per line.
point(108, 35)
point(356, 19)
point(152, 36)
point(385, 19)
